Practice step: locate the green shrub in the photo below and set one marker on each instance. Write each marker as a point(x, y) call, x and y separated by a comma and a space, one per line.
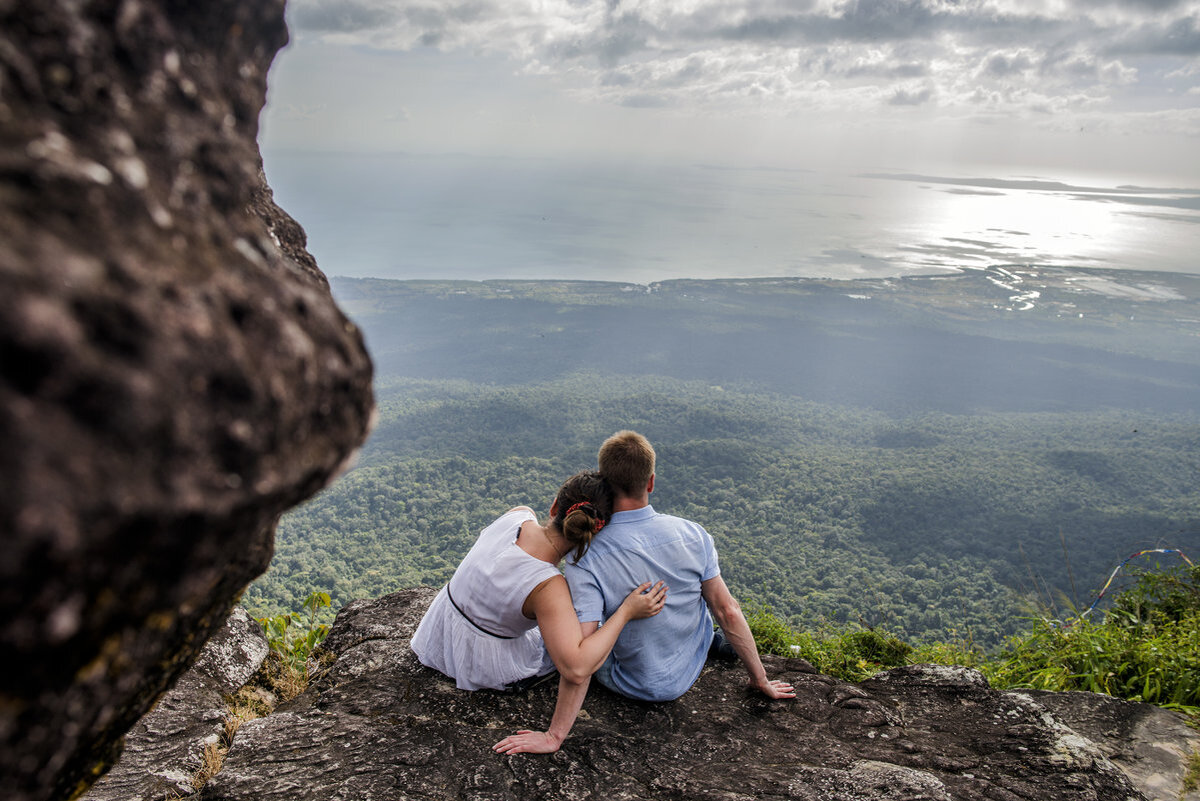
point(1173, 595)
point(1145, 648)
point(294, 636)
point(771, 635)
point(881, 649)
point(849, 654)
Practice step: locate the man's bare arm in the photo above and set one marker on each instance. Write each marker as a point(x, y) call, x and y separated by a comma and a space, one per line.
point(728, 614)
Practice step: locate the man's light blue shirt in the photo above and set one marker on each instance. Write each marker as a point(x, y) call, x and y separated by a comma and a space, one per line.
point(657, 658)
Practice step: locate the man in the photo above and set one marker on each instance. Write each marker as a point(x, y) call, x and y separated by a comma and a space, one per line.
point(659, 658)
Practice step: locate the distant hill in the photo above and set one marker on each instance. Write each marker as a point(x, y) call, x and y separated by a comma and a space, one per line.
point(1005, 339)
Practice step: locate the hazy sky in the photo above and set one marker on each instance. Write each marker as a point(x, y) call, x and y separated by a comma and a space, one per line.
point(1067, 88)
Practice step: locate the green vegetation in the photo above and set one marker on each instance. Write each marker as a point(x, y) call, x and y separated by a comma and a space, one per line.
point(848, 653)
point(1145, 648)
point(293, 636)
point(1191, 779)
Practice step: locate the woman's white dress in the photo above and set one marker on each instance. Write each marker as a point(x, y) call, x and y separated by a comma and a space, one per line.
point(486, 641)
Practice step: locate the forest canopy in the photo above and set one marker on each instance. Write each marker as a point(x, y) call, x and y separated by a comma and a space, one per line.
point(934, 526)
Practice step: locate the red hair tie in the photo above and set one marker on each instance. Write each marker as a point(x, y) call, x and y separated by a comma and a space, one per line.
point(595, 514)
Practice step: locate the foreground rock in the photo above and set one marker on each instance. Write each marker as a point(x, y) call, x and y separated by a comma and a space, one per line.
point(377, 725)
point(173, 371)
point(165, 750)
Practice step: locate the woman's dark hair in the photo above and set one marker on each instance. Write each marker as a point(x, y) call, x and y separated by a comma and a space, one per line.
point(584, 505)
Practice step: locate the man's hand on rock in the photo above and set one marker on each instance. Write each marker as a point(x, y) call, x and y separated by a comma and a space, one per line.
point(528, 742)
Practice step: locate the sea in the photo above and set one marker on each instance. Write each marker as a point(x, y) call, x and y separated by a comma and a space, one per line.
point(457, 216)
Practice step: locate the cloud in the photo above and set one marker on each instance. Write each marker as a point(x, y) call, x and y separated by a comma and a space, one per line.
point(875, 62)
point(911, 97)
point(790, 56)
point(1003, 64)
point(1139, 5)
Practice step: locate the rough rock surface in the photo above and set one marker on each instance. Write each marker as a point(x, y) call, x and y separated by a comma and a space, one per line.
point(173, 371)
point(1152, 745)
point(378, 725)
point(164, 750)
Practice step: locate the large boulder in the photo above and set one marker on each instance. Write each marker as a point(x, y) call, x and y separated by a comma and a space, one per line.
point(375, 724)
point(173, 371)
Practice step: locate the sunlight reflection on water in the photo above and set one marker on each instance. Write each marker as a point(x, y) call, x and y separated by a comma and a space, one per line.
point(954, 227)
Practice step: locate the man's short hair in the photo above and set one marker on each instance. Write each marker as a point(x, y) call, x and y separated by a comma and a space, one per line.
point(627, 462)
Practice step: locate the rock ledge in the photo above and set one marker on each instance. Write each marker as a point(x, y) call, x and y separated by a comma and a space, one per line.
point(377, 725)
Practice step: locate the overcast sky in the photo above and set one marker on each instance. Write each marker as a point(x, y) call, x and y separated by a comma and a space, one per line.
point(1053, 86)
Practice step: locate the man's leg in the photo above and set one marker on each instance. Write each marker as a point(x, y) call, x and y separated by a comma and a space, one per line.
point(603, 674)
point(720, 648)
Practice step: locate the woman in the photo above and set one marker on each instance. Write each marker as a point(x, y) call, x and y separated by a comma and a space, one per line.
point(506, 617)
